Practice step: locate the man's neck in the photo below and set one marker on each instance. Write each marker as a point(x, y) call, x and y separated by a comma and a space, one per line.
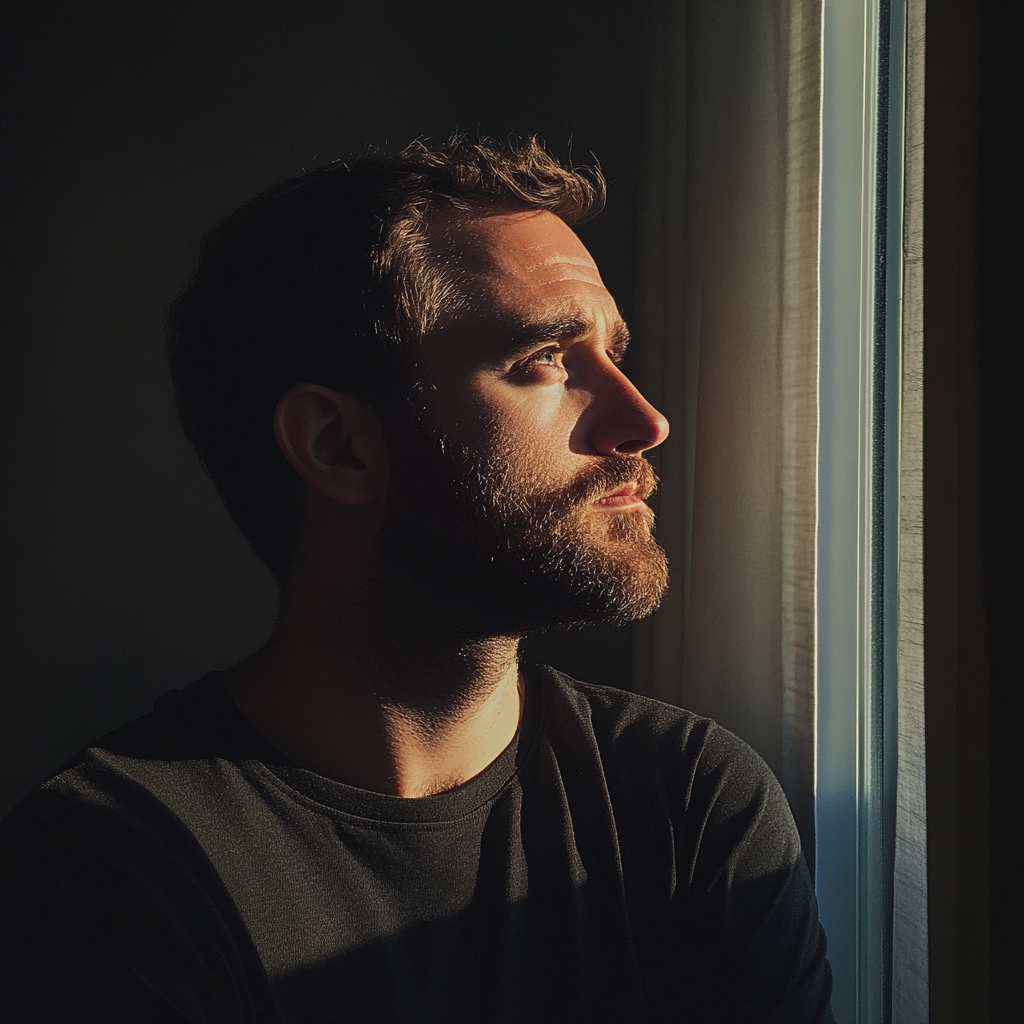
point(378, 692)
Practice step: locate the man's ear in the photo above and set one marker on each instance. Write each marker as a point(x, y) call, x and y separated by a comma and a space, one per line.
point(334, 441)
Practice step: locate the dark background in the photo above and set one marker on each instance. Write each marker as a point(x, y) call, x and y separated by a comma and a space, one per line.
point(129, 129)
point(973, 566)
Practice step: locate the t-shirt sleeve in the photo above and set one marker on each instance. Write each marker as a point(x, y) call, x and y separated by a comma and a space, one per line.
point(751, 946)
point(104, 922)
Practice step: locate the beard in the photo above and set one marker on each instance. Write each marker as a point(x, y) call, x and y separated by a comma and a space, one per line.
point(484, 531)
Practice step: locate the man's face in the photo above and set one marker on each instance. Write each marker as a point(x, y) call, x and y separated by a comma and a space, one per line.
point(518, 482)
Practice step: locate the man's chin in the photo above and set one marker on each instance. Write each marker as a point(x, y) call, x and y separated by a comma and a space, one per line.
point(631, 587)
point(611, 583)
point(624, 530)
point(600, 583)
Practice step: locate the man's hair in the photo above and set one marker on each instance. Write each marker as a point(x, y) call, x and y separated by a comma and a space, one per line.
point(327, 278)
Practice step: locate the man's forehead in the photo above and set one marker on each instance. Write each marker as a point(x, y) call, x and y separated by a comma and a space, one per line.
point(520, 267)
point(510, 242)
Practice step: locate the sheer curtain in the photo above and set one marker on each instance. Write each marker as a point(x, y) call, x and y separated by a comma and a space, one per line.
point(730, 288)
point(729, 313)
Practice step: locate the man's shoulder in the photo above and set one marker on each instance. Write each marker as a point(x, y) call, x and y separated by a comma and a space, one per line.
point(198, 721)
point(173, 745)
point(618, 713)
point(639, 734)
point(613, 703)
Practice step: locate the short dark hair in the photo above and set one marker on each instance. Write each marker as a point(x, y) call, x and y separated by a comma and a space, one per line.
point(326, 278)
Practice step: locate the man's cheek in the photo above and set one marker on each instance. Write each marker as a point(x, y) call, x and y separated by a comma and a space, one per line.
point(538, 428)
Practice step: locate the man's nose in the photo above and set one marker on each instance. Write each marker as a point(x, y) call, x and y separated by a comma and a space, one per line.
point(624, 422)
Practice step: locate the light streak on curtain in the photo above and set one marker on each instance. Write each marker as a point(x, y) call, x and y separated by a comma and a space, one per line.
point(910, 868)
point(729, 320)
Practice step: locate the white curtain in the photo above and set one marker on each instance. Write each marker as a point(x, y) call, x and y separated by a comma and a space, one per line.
point(728, 318)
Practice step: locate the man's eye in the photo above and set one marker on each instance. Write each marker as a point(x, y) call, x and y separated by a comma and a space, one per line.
point(528, 369)
point(545, 357)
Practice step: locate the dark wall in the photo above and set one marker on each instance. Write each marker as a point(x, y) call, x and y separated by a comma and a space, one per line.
point(128, 130)
point(973, 553)
point(1000, 271)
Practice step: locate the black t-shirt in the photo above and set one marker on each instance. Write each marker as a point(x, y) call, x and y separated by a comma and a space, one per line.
point(623, 860)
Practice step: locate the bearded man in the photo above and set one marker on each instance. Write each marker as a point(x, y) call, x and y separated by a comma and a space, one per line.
point(403, 376)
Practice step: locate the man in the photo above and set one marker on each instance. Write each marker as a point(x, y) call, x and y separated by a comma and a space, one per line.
point(403, 377)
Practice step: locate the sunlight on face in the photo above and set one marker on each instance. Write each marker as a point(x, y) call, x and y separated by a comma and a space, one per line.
point(533, 353)
point(519, 489)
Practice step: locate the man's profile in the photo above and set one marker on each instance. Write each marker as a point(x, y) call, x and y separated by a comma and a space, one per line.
point(403, 376)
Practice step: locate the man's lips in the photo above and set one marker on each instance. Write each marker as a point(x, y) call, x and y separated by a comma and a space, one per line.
point(627, 496)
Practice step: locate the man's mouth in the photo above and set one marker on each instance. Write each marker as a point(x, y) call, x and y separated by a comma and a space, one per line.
point(627, 496)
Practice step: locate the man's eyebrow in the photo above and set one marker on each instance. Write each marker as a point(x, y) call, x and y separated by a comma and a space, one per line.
point(525, 336)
